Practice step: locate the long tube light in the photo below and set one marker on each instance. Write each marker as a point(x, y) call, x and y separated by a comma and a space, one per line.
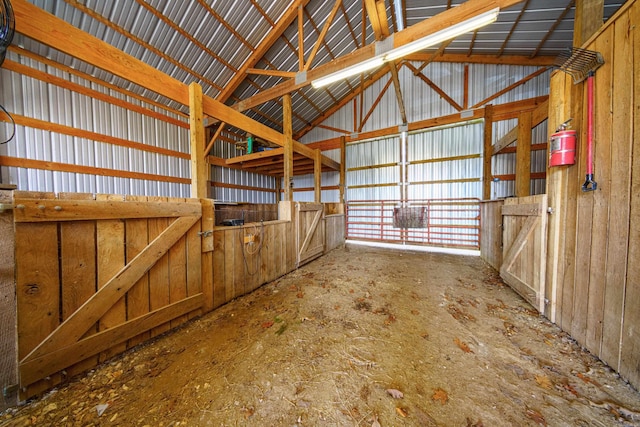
point(453, 31)
point(361, 67)
point(443, 35)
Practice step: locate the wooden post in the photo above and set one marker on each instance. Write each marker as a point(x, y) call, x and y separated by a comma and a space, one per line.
point(287, 119)
point(317, 176)
point(199, 175)
point(523, 155)
point(588, 19)
point(488, 139)
point(343, 167)
point(207, 224)
point(278, 189)
point(8, 308)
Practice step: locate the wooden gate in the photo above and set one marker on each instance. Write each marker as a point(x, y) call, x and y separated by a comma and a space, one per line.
point(95, 277)
point(524, 247)
point(309, 231)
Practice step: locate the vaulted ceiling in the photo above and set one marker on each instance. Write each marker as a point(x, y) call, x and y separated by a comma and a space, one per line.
point(243, 51)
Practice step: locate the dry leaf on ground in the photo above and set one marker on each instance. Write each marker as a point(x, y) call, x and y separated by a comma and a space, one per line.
point(463, 345)
point(544, 381)
point(439, 395)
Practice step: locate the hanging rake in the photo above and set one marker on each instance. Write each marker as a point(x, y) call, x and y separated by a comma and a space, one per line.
point(582, 64)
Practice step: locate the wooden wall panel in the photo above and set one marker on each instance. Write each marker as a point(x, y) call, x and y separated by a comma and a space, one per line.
point(593, 252)
point(491, 236)
point(630, 346)
point(334, 231)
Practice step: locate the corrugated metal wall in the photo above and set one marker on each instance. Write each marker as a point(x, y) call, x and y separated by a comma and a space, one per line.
point(25, 96)
point(329, 179)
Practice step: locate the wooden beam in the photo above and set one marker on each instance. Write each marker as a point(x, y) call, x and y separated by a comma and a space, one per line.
point(511, 86)
point(283, 23)
point(343, 166)
point(435, 87)
point(552, 29)
point(486, 160)
point(322, 35)
point(199, 175)
point(540, 61)
point(374, 105)
point(431, 25)
point(215, 136)
point(288, 147)
point(301, 37)
point(588, 19)
point(276, 73)
point(523, 155)
point(317, 177)
point(505, 141)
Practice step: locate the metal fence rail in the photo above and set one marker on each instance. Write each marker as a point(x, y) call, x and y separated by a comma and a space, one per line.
point(451, 223)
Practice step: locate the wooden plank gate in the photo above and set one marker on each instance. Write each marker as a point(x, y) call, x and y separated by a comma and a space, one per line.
point(95, 277)
point(524, 247)
point(310, 231)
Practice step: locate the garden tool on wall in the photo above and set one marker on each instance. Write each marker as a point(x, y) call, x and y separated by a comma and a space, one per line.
point(582, 64)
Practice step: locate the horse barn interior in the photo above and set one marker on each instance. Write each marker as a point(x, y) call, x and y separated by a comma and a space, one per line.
point(320, 212)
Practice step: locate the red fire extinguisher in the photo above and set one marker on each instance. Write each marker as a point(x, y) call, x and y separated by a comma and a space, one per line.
point(562, 146)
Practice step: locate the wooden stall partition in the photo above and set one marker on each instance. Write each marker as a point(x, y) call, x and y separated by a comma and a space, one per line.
point(309, 232)
point(334, 226)
point(593, 237)
point(247, 256)
point(525, 247)
point(491, 232)
point(8, 308)
point(85, 267)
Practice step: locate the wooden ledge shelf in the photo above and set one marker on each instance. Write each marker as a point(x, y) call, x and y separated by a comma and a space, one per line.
point(271, 162)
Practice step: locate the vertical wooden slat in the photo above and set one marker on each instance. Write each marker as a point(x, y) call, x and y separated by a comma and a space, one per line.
point(37, 288)
point(137, 233)
point(78, 269)
point(486, 160)
point(8, 308)
point(219, 270)
point(111, 258)
point(287, 123)
point(317, 176)
point(178, 275)
point(343, 167)
point(630, 346)
point(620, 181)
point(159, 273)
point(201, 251)
point(229, 264)
point(602, 161)
point(239, 272)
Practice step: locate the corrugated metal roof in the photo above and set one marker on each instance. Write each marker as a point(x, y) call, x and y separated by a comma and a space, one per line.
point(232, 30)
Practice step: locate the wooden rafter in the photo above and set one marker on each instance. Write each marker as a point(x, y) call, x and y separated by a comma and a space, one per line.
point(472, 43)
point(349, 27)
point(553, 28)
point(300, 38)
point(275, 73)
point(438, 22)
point(322, 35)
point(377, 12)
point(117, 28)
point(155, 12)
point(225, 24)
point(512, 86)
point(513, 27)
point(374, 105)
point(434, 86)
point(277, 29)
point(539, 61)
point(433, 56)
point(215, 136)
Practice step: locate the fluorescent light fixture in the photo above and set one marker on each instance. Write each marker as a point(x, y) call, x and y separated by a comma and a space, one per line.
point(443, 35)
point(386, 55)
point(358, 68)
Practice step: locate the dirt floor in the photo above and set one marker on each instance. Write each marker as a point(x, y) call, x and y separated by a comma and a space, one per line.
point(360, 337)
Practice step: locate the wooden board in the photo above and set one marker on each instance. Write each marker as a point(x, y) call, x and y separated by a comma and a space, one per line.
point(8, 308)
point(159, 274)
point(309, 231)
point(524, 254)
point(137, 232)
point(491, 234)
